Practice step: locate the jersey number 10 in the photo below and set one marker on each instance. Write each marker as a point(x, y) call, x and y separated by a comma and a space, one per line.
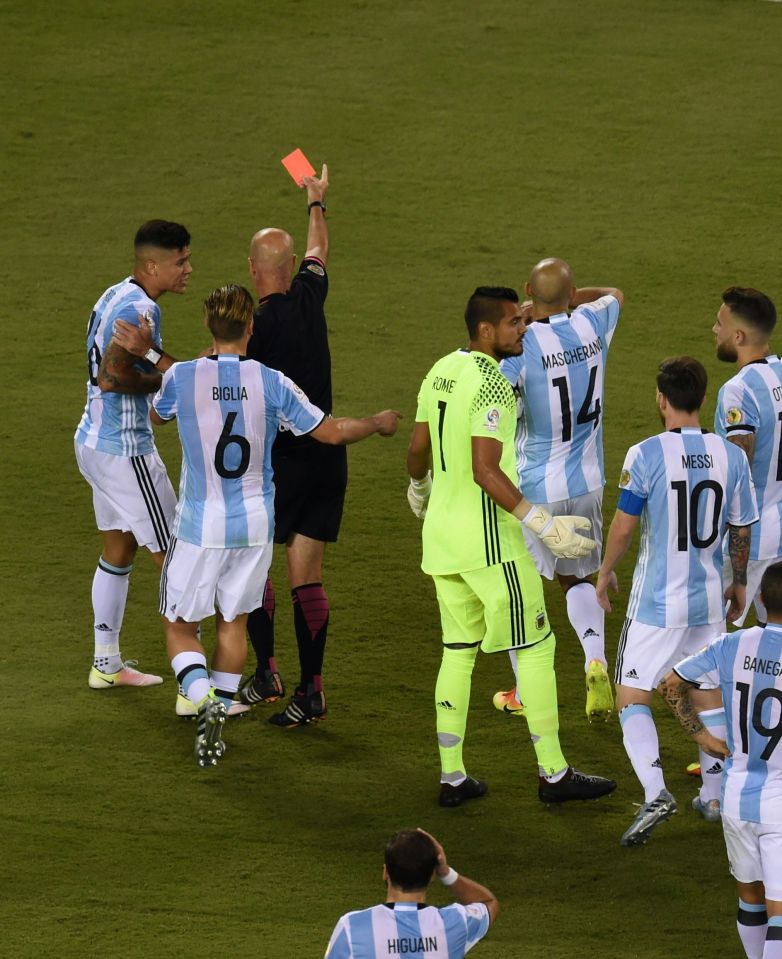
point(687, 513)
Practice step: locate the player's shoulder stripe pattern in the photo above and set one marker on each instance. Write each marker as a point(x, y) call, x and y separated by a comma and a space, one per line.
point(494, 387)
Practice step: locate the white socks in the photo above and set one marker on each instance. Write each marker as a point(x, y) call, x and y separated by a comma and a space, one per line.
point(190, 671)
point(588, 620)
point(711, 766)
point(109, 595)
point(226, 685)
point(643, 748)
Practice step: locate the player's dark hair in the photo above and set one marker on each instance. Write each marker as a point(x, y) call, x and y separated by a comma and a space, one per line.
point(752, 306)
point(410, 860)
point(485, 306)
point(162, 233)
point(771, 589)
point(228, 310)
point(682, 380)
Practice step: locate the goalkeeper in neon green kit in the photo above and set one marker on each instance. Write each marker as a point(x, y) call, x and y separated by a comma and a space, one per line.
point(489, 592)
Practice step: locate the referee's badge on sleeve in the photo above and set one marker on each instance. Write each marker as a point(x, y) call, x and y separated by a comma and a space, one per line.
point(314, 268)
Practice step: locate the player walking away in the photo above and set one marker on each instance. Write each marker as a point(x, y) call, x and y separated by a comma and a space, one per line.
point(559, 445)
point(749, 414)
point(133, 499)
point(689, 487)
point(228, 410)
point(489, 592)
point(290, 334)
point(747, 666)
point(404, 924)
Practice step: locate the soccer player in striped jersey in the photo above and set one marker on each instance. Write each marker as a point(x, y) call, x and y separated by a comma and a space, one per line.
point(404, 924)
point(747, 666)
point(559, 442)
point(489, 592)
point(228, 411)
point(749, 414)
point(689, 488)
point(133, 499)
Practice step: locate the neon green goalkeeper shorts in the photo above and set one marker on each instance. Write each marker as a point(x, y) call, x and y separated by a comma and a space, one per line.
point(499, 607)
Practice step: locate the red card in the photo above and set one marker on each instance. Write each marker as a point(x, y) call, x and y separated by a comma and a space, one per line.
point(298, 166)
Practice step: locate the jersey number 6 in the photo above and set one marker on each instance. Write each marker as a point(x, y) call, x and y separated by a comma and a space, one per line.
point(227, 438)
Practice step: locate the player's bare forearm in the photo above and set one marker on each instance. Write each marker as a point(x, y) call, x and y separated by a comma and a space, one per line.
point(345, 430)
point(738, 550)
point(676, 693)
point(467, 891)
point(588, 294)
point(117, 373)
point(744, 441)
point(486, 471)
point(419, 452)
point(620, 536)
point(318, 235)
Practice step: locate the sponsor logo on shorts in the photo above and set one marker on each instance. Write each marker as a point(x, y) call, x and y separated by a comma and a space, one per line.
point(733, 416)
point(657, 764)
point(631, 675)
point(444, 704)
point(492, 419)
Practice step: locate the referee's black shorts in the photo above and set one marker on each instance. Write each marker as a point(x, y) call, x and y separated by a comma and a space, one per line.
point(309, 493)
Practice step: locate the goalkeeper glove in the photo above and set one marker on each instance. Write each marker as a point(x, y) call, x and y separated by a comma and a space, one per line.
point(559, 532)
point(418, 494)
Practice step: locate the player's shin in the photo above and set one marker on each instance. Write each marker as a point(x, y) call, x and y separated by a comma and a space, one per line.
point(751, 923)
point(588, 621)
point(260, 629)
point(537, 689)
point(452, 701)
point(643, 748)
point(712, 766)
point(109, 595)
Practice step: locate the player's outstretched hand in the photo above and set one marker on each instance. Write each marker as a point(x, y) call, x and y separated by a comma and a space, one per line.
point(442, 863)
point(713, 745)
point(418, 493)
point(135, 339)
point(387, 422)
point(736, 597)
point(606, 581)
point(316, 187)
point(559, 532)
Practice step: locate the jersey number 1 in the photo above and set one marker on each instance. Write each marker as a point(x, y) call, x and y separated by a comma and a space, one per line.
point(585, 415)
point(227, 438)
point(440, 424)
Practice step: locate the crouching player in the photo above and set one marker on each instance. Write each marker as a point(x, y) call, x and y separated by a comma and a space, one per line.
point(747, 665)
point(228, 411)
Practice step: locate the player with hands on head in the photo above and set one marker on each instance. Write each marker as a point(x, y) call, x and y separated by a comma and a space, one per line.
point(489, 593)
point(228, 410)
point(747, 667)
point(405, 924)
point(559, 378)
point(688, 488)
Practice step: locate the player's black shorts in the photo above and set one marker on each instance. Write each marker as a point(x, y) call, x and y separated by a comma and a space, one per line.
point(309, 491)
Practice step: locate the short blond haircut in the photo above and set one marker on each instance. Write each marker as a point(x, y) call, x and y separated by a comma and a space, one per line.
point(228, 310)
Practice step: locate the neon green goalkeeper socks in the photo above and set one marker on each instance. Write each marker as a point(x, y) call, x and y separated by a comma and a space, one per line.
point(452, 700)
point(537, 689)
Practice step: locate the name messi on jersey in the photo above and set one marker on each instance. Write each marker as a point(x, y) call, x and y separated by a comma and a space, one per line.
point(229, 393)
point(579, 354)
point(697, 461)
point(769, 667)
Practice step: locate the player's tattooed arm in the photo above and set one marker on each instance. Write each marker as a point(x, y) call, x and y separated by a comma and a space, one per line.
point(676, 692)
point(745, 441)
point(117, 373)
point(738, 550)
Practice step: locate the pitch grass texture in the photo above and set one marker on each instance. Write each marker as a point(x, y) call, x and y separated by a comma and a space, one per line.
point(639, 140)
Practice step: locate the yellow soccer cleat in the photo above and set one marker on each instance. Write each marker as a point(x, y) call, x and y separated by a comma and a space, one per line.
point(600, 696)
point(127, 676)
point(507, 702)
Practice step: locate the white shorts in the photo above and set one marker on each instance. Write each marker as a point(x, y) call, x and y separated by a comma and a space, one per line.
point(197, 581)
point(130, 493)
point(647, 653)
point(591, 506)
point(755, 570)
point(755, 853)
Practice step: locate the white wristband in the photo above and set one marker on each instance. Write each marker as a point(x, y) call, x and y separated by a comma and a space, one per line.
point(449, 878)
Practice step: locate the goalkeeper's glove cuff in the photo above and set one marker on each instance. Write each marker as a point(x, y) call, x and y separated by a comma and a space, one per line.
point(539, 520)
point(422, 486)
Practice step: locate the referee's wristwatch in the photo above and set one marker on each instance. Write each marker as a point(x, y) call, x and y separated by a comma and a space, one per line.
point(319, 203)
point(153, 356)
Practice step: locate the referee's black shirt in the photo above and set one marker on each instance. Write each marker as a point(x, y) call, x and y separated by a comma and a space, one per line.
point(289, 334)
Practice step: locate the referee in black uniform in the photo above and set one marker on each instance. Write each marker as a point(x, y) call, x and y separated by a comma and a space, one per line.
point(289, 334)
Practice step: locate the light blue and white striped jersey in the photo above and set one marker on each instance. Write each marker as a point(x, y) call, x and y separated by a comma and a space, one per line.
point(747, 665)
point(694, 483)
point(409, 929)
point(228, 412)
point(559, 376)
point(751, 402)
point(115, 422)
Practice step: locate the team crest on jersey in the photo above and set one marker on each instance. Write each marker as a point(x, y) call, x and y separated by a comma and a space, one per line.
point(314, 268)
point(492, 419)
point(624, 479)
point(733, 415)
point(540, 620)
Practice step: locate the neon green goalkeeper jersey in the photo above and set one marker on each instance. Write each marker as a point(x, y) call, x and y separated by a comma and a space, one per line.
point(465, 395)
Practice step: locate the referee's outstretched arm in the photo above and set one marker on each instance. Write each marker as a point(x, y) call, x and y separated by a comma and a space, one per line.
point(318, 233)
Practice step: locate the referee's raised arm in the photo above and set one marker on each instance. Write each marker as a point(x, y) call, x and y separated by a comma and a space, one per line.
point(318, 233)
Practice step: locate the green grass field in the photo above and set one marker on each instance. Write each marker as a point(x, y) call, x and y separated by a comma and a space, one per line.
point(640, 140)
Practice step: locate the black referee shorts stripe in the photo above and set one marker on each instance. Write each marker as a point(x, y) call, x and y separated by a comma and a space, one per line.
point(516, 604)
point(151, 500)
point(164, 575)
point(491, 532)
point(620, 652)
